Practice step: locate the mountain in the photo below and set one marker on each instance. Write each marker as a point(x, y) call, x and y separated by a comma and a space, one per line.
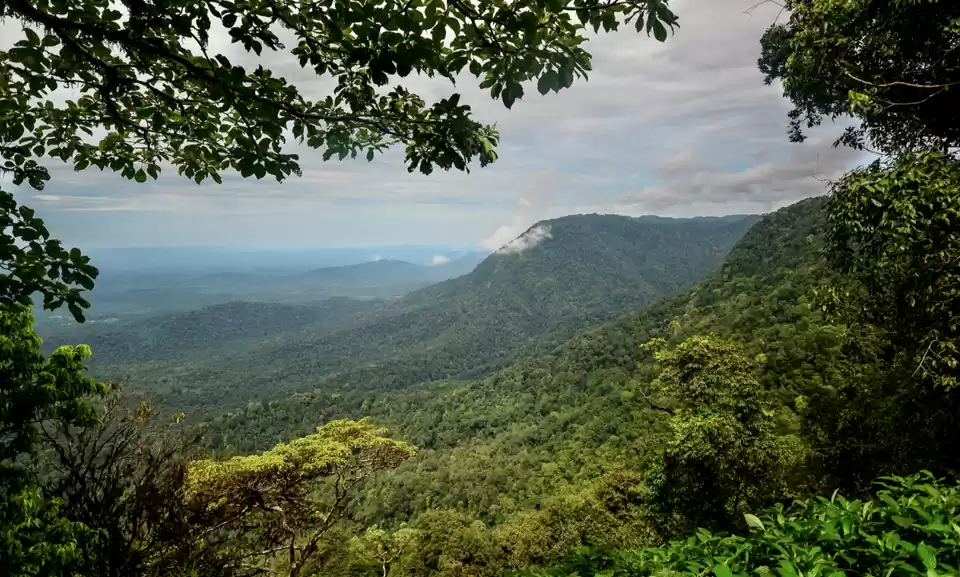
point(521, 301)
point(388, 271)
point(504, 445)
point(131, 294)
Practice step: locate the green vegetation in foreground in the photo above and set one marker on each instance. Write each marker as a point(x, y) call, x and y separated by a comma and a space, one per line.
point(907, 527)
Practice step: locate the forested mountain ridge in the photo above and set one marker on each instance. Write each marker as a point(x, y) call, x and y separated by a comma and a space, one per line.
point(513, 441)
point(513, 304)
point(384, 271)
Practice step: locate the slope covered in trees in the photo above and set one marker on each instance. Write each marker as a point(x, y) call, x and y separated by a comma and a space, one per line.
point(552, 453)
point(500, 445)
point(516, 303)
point(197, 334)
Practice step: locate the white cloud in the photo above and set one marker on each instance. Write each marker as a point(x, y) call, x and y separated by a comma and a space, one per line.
point(439, 259)
point(527, 240)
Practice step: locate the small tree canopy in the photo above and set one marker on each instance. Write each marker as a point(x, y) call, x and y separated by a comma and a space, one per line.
point(723, 451)
point(286, 500)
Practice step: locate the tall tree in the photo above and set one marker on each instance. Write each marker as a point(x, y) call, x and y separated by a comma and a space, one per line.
point(34, 536)
point(123, 480)
point(724, 451)
point(892, 64)
point(892, 234)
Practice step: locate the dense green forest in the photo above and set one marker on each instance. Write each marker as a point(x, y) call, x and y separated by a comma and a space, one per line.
point(794, 413)
point(510, 441)
point(512, 305)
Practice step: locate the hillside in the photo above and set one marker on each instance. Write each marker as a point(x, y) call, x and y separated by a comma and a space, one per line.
point(553, 423)
point(589, 269)
point(386, 272)
point(198, 333)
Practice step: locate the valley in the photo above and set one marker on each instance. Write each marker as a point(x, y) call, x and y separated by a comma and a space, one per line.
point(511, 305)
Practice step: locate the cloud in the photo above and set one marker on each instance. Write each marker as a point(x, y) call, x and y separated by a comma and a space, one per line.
point(439, 260)
point(686, 183)
point(533, 205)
point(527, 240)
point(682, 128)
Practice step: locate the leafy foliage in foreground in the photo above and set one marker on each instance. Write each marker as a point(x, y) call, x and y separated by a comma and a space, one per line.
point(894, 229)
point(34, 535)
point(151, 79)
point(909, 527)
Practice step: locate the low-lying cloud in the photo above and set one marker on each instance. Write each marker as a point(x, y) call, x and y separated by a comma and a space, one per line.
point(439, 259)
point(527, 240)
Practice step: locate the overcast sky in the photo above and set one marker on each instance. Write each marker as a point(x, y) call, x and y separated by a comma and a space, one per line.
point(681, 128)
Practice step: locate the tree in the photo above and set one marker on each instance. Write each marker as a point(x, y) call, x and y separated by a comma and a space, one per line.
point(149, 79)
point(34, 536)
point(723, 452)
point(276, 508)
point(892, 236)
point(383, 548)
point(123, 480)
point(893, 229)
point(892, 64)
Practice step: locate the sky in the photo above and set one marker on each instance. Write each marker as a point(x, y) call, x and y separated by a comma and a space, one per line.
point(680, 128)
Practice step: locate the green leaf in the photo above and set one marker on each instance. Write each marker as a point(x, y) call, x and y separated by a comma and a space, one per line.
point(659, 31)
point(753, 521)
point(787, 569)
point(547, 82)
point(140, 176)
point(722, 570)
point(32, 36)
point(902, 521)
point(928, 556)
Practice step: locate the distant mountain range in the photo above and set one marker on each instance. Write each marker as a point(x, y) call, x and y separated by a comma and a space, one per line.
point(383, 272)
point(131, 294)
point(557, 278)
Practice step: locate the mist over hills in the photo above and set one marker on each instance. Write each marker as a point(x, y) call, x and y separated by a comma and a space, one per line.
point(515, 303)
point(131, 290)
